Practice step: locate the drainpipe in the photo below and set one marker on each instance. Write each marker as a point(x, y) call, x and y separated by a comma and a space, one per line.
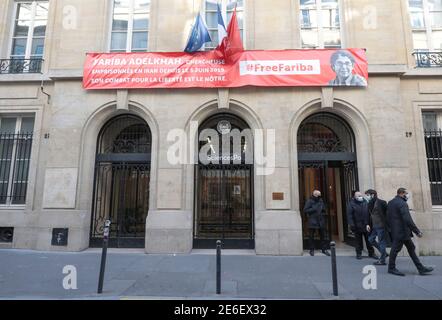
point(45, 93)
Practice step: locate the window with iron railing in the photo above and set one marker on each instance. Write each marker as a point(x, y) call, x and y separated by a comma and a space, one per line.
point(426, 25)
point(433, 145)
point(19, 65)
point(16, 134)
point(28, 38)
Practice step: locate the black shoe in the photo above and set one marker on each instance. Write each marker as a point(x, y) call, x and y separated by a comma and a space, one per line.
point(312, 252)
point(380, 263)
point(425, 270)
point(326, 252)
point(359, 257)
point(374, 256)
point(396, 272)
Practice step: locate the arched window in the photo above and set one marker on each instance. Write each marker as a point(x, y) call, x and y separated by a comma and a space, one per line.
point(225, 137)
point(125, 134)
point(325, 132)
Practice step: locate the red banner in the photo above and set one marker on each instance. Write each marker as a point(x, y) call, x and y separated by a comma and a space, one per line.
point(209, 69)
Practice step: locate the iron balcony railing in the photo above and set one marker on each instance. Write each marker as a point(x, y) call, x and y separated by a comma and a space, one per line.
point(15, 65)
point(428, 59)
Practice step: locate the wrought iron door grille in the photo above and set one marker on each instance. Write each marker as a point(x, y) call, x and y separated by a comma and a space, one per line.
point(121, 186)
point(350, 184)
point(125, 134)
point(121, 195)
point(325, 133)
point(225, 202)
point(433, 144)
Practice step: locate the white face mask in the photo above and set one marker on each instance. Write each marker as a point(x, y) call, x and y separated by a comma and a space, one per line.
point(368, 198)
point(360, 199)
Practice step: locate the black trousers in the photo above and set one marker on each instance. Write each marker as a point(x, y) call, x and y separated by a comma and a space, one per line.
point(360, 245)
point(311, 239)
point(396, 247)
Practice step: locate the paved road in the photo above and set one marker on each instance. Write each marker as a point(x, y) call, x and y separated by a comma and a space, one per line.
point(31, 274)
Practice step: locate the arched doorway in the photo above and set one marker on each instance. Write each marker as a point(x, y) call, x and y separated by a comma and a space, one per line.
point(224, 184)
point(121, 182)
point(327, 162)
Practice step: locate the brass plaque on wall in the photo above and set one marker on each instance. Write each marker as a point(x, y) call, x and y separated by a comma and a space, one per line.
point(278, 195)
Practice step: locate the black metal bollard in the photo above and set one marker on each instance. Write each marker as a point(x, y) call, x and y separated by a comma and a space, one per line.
point(218, 267)
point(103, 255)
point(334, 269)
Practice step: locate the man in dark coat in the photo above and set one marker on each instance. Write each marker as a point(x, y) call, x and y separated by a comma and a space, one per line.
point(377, 209)
point(402, 229)
point(314, 209)
point(358, 220)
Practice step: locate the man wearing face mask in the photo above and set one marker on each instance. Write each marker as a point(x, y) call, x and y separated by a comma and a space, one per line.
point(314, 209)
point(358, 220)
point(377, 209)
point(402, 229)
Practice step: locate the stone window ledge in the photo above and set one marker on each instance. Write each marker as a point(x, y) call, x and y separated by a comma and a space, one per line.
point(17, 207)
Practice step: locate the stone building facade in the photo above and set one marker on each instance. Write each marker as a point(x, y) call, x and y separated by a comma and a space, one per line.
point(386, 119)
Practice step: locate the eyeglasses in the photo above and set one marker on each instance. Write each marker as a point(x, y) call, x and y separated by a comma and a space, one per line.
point(341, 64)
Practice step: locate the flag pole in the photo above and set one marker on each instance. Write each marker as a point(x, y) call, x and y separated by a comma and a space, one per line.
point(190, 33)
point(191, 26)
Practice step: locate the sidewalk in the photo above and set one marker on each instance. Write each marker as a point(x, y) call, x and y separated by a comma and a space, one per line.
point(135, 275)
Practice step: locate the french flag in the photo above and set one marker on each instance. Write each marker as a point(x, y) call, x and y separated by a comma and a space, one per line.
point(222, 32)
point(230, 43)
